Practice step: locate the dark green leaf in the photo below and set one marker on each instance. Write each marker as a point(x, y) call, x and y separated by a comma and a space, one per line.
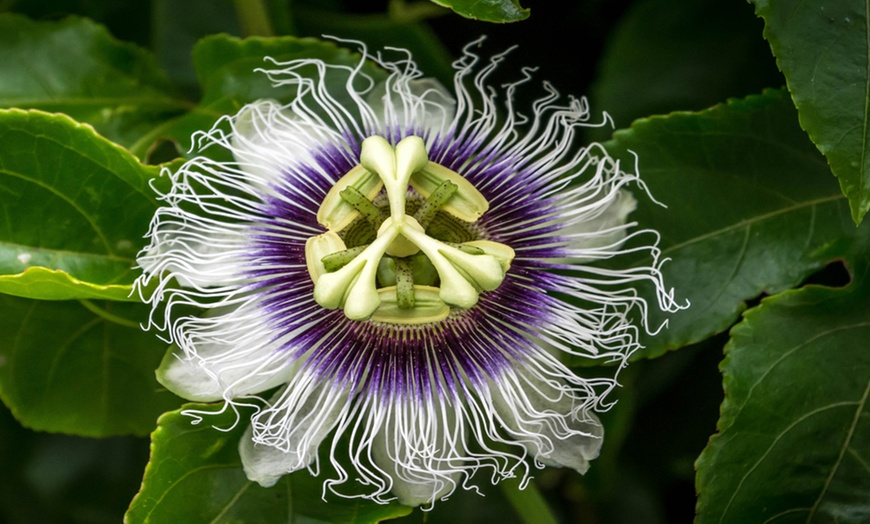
point(75, 209)
point(681, 55)
point(822, 47)
point(499, 11)
point(53, 479)
point(177, 28)
point(794, 432)
point(226, 69)
point(75, 67)
point(80, 367)
point(195, 475)
point(380, 31)
point(750, 208)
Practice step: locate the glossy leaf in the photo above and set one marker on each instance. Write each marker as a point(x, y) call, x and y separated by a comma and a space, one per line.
point(794, 432)
point(227, 70)
point(380, 31)
point(487, 10)
point(75, 208)
point(84, 368)
point(76, 67)
point(195, 475)
point(822, 49)
point(680, 55)
point(750, 208)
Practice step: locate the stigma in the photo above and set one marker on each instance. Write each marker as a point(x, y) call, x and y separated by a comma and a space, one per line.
point(401, 245)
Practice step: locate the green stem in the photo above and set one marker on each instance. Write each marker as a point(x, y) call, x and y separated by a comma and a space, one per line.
point(254, 17)
point(528, 503)
point(102, 313)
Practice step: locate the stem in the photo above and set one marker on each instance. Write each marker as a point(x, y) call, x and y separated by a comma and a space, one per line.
point(102, 313)
point(254, 17)
point(528, 503)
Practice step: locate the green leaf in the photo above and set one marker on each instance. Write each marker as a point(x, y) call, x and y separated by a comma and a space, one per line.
point(195, 475)
point(381, 31)
point(823, 50)
point(794, 432)
point(76, 209)
point(80, 367)
point(76, 67)
point(750, 208)
point(499, 11)
point(686, 55)
point(226, 67)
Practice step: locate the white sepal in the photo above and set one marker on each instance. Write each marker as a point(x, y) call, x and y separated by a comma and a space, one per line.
point(284, 437)
point(417, 448)
point(548, 422)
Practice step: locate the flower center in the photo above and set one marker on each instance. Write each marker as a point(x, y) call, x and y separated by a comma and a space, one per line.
point(399, 255)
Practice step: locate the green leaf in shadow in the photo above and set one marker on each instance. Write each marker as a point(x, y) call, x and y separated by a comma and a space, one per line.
point(822, 47)
point(76, 67)
point(794, 431)
point(750, 209)
point(499, 11)
point(195, 475)
point(379, 31)
point(79, 367)
point(226, 67)
point(76, 208)
point(680, 55)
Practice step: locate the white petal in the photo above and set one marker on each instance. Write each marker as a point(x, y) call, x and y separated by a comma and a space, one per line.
point(419, 450)
point(284, 438)
point(265, 464)
point(225, 355)
point(195, 256)
point(423, 102)
point(604, 229)
point(268, 138)
point(548, 424)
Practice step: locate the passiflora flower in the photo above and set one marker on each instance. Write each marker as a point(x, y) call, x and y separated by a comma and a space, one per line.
point(405, 267)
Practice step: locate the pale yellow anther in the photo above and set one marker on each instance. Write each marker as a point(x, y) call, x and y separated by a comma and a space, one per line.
point(318, 247)
point(503, 253)
point(334, 213)
point(467, 203)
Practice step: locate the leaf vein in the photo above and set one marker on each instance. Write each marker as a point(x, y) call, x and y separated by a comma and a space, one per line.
point(846, 442)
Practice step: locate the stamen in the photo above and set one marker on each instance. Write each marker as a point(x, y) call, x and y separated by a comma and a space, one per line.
point(467, 203)
point(336, 261)
point(334, 212)
point(363, 205)
point(466, 248)
point(434, 203)
point(428, 307)
point(402, 253)
point(316, 248)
